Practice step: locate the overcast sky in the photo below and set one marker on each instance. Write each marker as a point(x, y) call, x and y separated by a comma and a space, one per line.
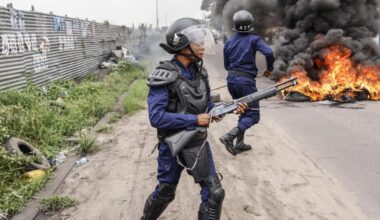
point(121, 12)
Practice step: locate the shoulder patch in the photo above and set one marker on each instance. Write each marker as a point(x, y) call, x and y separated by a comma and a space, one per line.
point(163, 76)
point(167, 65)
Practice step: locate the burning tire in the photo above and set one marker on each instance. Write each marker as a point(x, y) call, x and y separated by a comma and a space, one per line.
point(20, 147)
point(296, 97)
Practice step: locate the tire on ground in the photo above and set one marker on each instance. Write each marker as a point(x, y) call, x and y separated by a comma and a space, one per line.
point(20, 147)
point(57, 106)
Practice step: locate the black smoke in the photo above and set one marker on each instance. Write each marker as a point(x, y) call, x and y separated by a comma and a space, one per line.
point(312, 25)
point(265, 13)
point(304, 27)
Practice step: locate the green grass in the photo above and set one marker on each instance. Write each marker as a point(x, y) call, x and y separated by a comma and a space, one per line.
point(104, 129)
point(87, 145)
point(31, 116)
point(136, 98)
point(56, 203)
point(114, 117)
point(14, 191)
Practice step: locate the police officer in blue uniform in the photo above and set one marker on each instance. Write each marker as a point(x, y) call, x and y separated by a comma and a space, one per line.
point(239, 60)
point(179, 98)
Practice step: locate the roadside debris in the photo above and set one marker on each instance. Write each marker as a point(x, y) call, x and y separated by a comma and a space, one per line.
point(118, 55)
point(33, 176)
point(101, 140)
point(61, 157)
point(18, 146)
point(108, 65)
point(58, 105)
point(81, 161)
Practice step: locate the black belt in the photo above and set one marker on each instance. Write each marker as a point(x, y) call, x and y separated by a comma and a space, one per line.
point(240, 73)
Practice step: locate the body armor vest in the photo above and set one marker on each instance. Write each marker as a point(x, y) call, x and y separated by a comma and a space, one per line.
point(185, 96)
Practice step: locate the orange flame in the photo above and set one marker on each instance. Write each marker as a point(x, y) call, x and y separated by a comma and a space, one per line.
point(338, 77)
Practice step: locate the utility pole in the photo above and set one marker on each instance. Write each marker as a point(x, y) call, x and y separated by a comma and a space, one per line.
point(157, 14)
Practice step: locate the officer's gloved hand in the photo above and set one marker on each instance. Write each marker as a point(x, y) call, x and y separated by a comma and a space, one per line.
point(267, 73)
point(204, 120)
point(241, 108)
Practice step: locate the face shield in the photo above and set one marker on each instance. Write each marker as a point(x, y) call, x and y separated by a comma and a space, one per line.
point(200, 38)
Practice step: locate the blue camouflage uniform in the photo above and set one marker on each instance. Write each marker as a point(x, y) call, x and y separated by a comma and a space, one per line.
point(169, 171)
point(240, 62)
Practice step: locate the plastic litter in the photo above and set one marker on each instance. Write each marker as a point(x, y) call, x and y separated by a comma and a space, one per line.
point(61, 157)
point(81, 161)
point(3, 217)
point(33, 176)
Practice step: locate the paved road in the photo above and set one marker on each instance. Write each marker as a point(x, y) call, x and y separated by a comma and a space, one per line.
point(343, 139)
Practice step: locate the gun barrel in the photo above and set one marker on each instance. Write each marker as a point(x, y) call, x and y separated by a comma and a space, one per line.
point(269, 92)
point(179, 140)
point(292, 80)
point(286, 84)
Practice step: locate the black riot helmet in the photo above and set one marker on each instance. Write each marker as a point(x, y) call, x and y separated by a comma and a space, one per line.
point(185, 31)
point(243, 22)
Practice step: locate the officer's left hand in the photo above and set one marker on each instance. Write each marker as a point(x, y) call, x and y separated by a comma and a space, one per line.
point(241, 108)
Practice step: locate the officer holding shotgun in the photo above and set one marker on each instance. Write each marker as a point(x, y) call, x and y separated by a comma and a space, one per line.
point(179, 99)
point(239, 60)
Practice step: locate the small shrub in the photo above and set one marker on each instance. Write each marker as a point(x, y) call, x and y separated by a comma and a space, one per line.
point(114, 117)
point(56, 203)
point(87, 145)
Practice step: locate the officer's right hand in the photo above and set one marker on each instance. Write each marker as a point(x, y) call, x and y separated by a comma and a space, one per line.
point(204, 120)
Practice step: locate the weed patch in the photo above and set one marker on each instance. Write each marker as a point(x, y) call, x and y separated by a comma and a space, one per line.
point(104, 129)
point(87, 145)
point(56, 203)
point(136, 98)
point(45, 117)
point(114, 117)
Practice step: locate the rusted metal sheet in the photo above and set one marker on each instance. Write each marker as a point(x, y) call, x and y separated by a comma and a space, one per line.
point(45, 47)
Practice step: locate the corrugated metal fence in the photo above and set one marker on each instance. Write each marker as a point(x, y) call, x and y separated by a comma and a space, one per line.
point(45, 47)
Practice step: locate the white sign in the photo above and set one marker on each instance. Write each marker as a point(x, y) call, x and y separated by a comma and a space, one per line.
point(19, 43)
point(40, 62)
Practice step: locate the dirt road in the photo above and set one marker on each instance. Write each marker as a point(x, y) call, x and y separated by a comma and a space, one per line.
point(274, 181)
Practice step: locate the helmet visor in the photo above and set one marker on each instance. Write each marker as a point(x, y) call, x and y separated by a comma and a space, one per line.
point(202, 37)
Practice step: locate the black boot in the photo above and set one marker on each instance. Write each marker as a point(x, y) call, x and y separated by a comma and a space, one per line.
point(240, 146)
point(212, 208)
point(228, 140)
point(154, 207)
point(209, 210)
